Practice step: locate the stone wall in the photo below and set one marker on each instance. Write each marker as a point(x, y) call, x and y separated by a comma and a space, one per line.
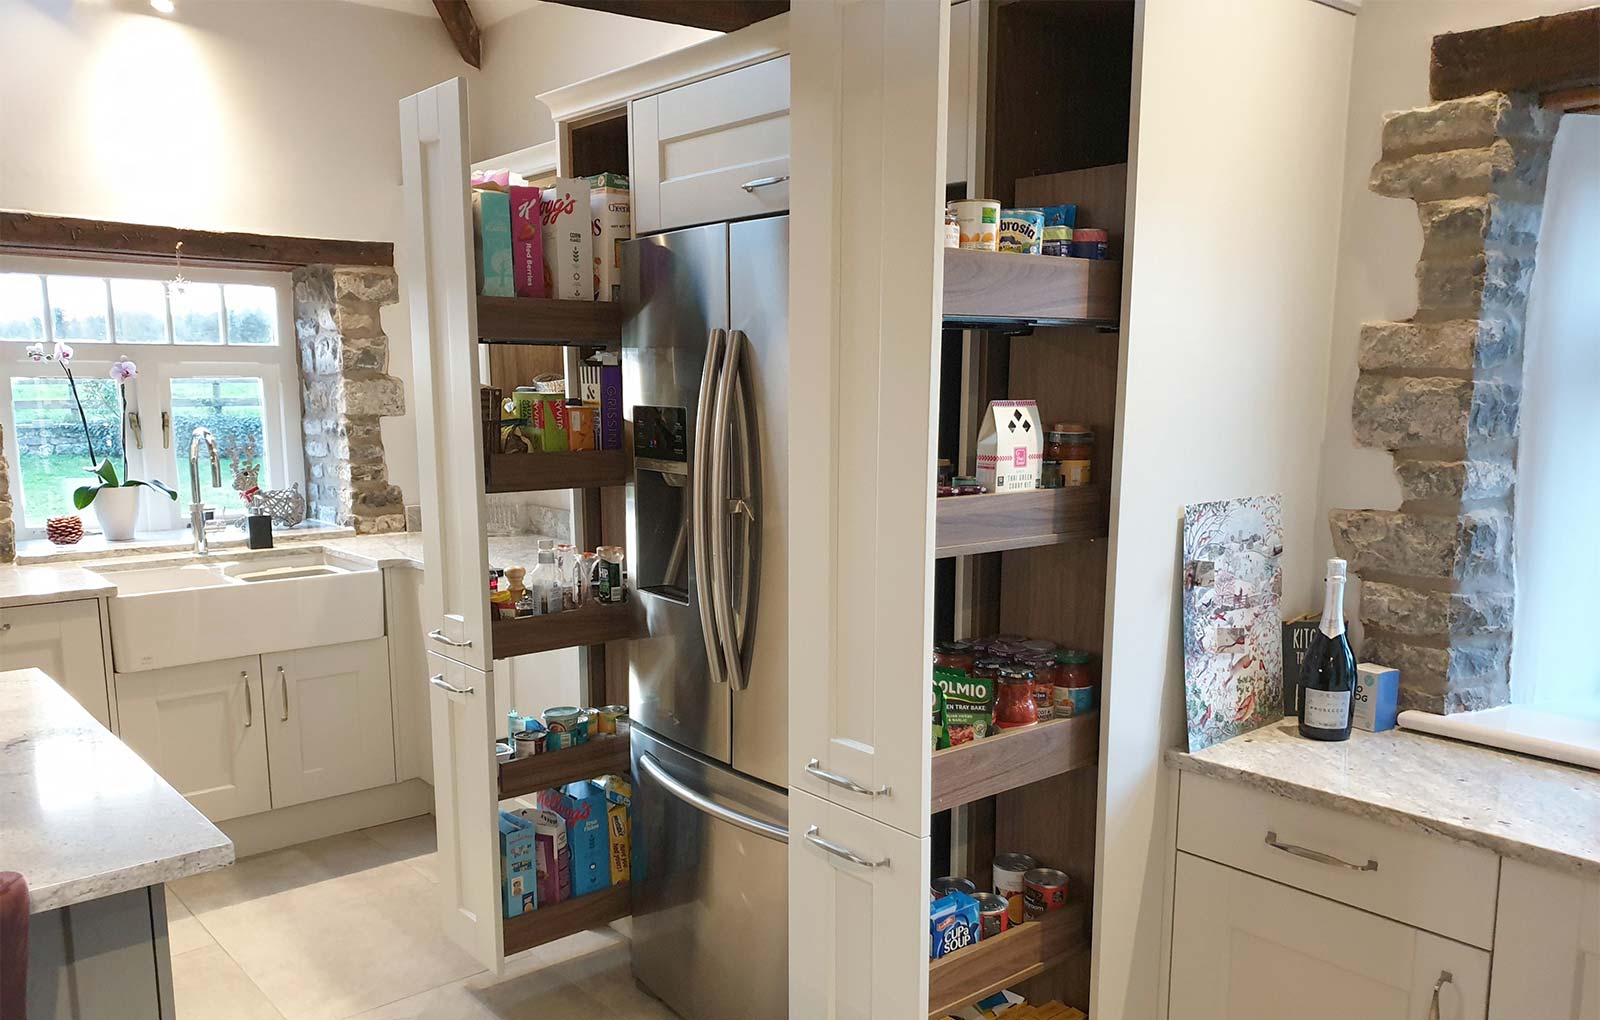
point(8, 526)
point(345, 389)
point(1442, 391)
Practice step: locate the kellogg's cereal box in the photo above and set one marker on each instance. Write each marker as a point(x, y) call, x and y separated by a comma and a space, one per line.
point(527, 241)
point(582, 805)
point(610, 209)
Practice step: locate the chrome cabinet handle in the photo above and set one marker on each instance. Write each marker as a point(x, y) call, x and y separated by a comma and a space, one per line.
point(815, 839)
point(649, 765)
point(716, 518)
point(814, 767)
point(764, 182)
point(699, 510)
point(283, 687)
point(1317, 855)
point(249, 702)
point(438, 635)
point(1445, 978)
point(440, 682)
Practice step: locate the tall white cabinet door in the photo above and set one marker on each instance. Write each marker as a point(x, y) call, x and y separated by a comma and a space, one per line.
point(866, 275)
point(858, 923)
point(330, 728)
point(204, 729)
point(1546, 945)
point(1245, 948)
point(465, 809)
point(438, 272)
point(63, 639)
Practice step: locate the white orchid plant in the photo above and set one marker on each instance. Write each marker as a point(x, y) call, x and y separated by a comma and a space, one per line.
point(104, 470)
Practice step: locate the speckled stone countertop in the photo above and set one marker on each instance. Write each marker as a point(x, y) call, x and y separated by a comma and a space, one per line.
point(26, 586)
point(81, 815)
point(1527, 808)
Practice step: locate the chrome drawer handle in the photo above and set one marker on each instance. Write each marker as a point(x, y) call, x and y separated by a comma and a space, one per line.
point(249, 703)
point(1317, 855)
point(438, 635)
point(283, 687)
point(814, 767)
point(848, 854)
point(763, 182)
point(440, 682)
point(1445, 978)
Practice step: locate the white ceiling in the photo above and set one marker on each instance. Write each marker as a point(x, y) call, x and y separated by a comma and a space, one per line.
point(486, 12)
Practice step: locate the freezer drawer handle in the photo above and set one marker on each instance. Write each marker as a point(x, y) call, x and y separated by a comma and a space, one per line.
point(1317, 855)
point(438, 635)
point(440, 682)
point(814, 768)
point(764, 182)
point(848, 854)
point(700, 801)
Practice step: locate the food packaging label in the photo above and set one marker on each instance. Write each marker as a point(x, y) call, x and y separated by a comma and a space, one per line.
point(552, 855)
point(1009, 449)
point(968, 705)
point(518, 841)
point(527, 241)
point(549, 421)
point(568, 247)
point(580, 427)
point(619, 834)
point(491, 227)
point(1377, 698)
point(610, 212)
point(952, 924)
point(978, 221)
point(1022, 231)
point(583, 806)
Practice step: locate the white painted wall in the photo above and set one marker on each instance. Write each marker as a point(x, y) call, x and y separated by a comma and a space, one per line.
point(1238, 137)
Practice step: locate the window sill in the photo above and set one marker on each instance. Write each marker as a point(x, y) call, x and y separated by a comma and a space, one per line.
point(1526, 729)
point(95, 547)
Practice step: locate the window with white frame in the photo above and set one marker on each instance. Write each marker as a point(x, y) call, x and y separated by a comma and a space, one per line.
point(217, 351)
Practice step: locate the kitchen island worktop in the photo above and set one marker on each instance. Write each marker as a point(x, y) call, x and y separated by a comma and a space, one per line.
point(1516, 806)
point(83, 816)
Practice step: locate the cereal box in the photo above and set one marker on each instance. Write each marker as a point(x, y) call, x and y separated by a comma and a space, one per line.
point(610, 209)
point(527, 241)
point(517, 842)
point(583, 806)
point(1009, 450)
point(552, 855)
point(568, 247)
point(491, 229)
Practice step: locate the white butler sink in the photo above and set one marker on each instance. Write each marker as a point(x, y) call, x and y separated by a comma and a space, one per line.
point(201, 611)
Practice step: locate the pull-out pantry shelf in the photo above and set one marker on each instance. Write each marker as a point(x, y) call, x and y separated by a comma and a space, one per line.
point(605, 755)
point(998, 521)
point(962, 978)
point(549, 321)
point(558, 920)
point(1013, 758)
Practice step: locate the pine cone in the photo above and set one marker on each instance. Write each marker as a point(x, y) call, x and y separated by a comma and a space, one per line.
point(64, 530)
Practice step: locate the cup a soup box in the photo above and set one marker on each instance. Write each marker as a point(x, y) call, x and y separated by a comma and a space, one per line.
point(517, 840)
point(1377, 701)
point(952, 924)
point(1010, 449)
point(583, 806)
point(610, 209)
point(568, 247)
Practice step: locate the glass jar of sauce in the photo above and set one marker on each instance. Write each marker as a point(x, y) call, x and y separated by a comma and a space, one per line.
point(1013, 703)
point(987, 666)
point(1076, 688)
point(957, 655)
point(1071, 445)
point(1044, 672)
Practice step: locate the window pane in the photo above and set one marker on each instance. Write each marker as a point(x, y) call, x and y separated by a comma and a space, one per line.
point(197, 314)
point(52, 454)
point(140, 309)
point(78, 308)
point(21, 307)
point(252, 314)
point(235, 412)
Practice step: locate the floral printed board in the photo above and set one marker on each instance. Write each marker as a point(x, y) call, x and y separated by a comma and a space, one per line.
point(1232, 624)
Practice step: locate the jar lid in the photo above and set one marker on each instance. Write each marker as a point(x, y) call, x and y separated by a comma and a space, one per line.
point(1073, 656)
point(1016, 674)
point(952, 646)
point(989, 662)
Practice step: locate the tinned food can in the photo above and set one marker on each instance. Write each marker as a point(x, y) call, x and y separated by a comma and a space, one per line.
point(1022, 231)
point(977, 223)
point(605, 720)
point(1009, 870)
point(1045, 889)
point(994, 914)
point(947, 884)
point(562, 724)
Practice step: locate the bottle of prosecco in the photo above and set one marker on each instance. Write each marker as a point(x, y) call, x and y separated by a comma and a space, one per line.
point(1328, 678)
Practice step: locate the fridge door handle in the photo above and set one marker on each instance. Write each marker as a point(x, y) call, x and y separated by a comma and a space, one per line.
point(742, 509)
point(699, 511)
point(700, 802)
point(717, 520)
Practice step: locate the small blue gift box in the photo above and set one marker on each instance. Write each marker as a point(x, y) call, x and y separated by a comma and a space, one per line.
point(1377, 697)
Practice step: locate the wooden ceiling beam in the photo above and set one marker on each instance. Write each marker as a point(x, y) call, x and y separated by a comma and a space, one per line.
point(1585, 99)
point(1561, 51)
point(714, 15)
point(463, 29)
point(25, 233)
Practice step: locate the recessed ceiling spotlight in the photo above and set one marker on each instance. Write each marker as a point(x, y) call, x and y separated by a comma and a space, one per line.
point(163, 6)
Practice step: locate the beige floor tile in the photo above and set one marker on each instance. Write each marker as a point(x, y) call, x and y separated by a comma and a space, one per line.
point(291, 868)
point(540, 994)
point(207, 984)
point(414, 839)
point(184, 932)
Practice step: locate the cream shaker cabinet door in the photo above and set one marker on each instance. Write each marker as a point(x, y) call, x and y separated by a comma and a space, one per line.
point(713, 150)
point(330, 727)
point(63, 639)
point(858, 923)
point(1546, 945)
point(204, 729)
point(1245, 948)
point(866, 271)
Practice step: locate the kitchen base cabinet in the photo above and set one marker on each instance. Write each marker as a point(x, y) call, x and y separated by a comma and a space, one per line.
point(204, 729)
point(1547, 945)
point(1245, 948)
point(63, 639)
point(329, 721)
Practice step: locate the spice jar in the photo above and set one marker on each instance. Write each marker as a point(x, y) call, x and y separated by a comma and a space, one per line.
point(1013, 703)
point(1071, 445)
point(956, 655)
point(1075, 691)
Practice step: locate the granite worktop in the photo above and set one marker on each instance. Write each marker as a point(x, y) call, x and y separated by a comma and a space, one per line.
point(1527, 808)
point(81, 816)
point(27, 586)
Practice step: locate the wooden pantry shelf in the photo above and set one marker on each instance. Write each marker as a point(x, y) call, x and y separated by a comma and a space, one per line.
point(558, 920)
point(1013, 758)
point(531, 472)
point(982, 287)
point(552, 321)
point(599, 757)
point(962, 978)
point(997, 521)
point(576, 628)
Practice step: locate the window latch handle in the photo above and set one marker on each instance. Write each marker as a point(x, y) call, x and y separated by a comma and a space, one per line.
point(136, 429)
point(166, 430)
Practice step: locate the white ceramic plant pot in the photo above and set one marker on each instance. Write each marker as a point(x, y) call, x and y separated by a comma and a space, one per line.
point(117, 509)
